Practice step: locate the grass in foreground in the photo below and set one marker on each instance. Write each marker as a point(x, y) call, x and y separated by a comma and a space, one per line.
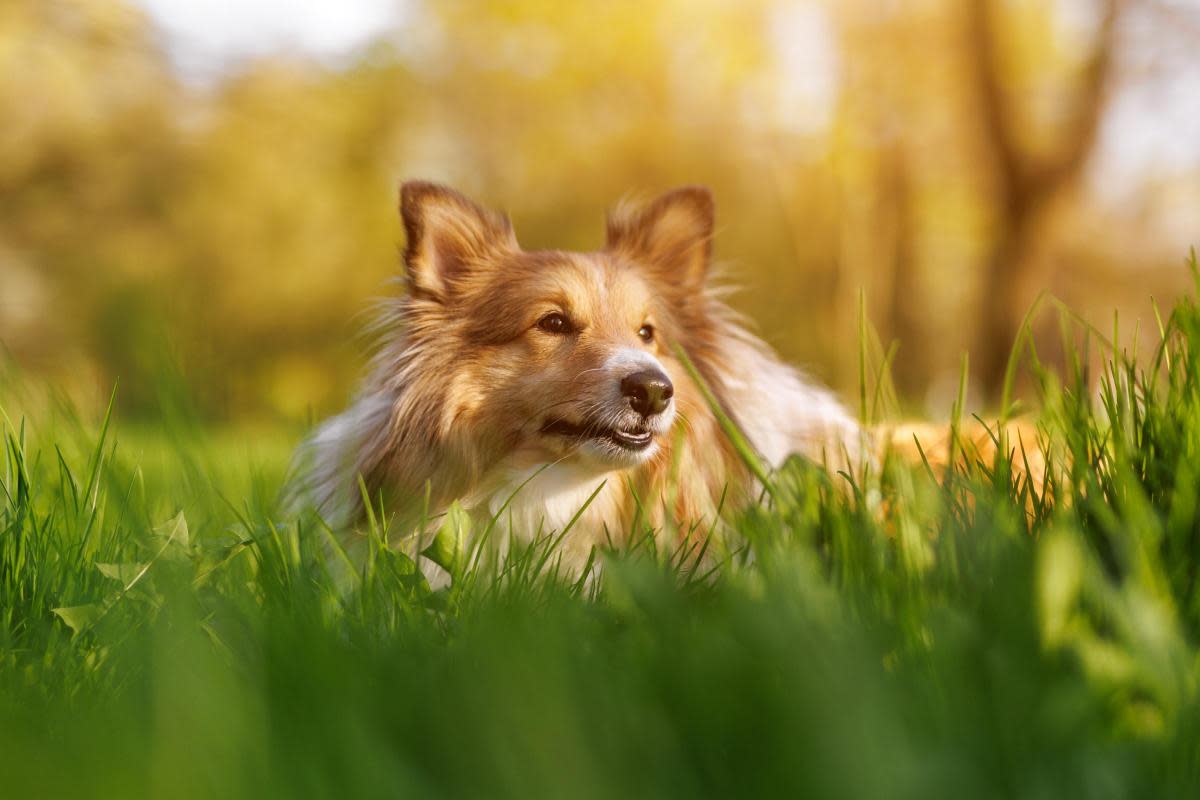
point(162, 635)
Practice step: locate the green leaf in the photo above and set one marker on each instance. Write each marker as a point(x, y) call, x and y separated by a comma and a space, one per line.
point(210, 565)
point(174, 530)
point(80, 618)
point(125, 574)
point(449, 543)
point(1060, 574)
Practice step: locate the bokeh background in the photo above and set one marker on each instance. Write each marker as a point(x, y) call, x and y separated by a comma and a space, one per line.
point(207, 189)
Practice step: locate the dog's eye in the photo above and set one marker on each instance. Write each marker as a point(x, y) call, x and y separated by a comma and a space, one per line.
point(646, 333)
point(554, 323)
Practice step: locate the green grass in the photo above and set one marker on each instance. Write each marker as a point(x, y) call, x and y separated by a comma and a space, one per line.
point(163, 635)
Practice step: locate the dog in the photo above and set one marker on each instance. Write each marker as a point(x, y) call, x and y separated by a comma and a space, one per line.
point(520, 385)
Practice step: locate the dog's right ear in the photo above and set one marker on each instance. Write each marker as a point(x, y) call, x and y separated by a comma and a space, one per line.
point(448, 237)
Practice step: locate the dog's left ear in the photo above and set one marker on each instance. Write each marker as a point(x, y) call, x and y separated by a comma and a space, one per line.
point(673, 234)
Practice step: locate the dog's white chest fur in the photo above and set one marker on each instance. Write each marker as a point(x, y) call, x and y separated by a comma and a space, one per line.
point(545, 498)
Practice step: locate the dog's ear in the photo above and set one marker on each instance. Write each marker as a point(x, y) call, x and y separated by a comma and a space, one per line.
point(447, 237)
point(672, 234)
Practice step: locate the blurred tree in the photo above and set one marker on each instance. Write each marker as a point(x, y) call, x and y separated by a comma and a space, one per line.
point(1026, 183)
point(237, 228)
point(88, 155)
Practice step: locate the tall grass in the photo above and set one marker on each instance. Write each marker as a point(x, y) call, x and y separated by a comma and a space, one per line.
point(164, 634)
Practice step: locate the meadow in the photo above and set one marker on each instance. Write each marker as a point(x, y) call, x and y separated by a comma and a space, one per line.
point(165, 633)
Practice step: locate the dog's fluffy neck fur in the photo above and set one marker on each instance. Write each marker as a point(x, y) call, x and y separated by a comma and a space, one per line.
point(419, 434)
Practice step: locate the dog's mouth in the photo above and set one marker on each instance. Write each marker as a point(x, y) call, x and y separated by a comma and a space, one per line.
point(628, 439)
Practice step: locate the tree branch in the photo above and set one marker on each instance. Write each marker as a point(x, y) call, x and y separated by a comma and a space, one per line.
point(1089, 109)
point(1023, 177)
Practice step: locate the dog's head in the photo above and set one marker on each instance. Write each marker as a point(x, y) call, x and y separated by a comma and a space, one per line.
point(556, 355)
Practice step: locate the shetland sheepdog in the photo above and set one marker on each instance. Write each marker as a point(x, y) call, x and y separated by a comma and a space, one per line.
point(520, 383)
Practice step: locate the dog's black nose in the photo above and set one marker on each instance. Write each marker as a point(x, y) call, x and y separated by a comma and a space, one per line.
point(649, 391)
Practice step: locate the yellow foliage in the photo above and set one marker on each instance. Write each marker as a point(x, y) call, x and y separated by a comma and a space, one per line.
point(237, 230)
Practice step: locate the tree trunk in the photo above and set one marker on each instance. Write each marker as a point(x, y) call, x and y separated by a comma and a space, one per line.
point(1026, 185)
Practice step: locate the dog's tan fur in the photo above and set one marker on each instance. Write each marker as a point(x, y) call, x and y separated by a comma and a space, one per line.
point(464, 378)
point(939, 446)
